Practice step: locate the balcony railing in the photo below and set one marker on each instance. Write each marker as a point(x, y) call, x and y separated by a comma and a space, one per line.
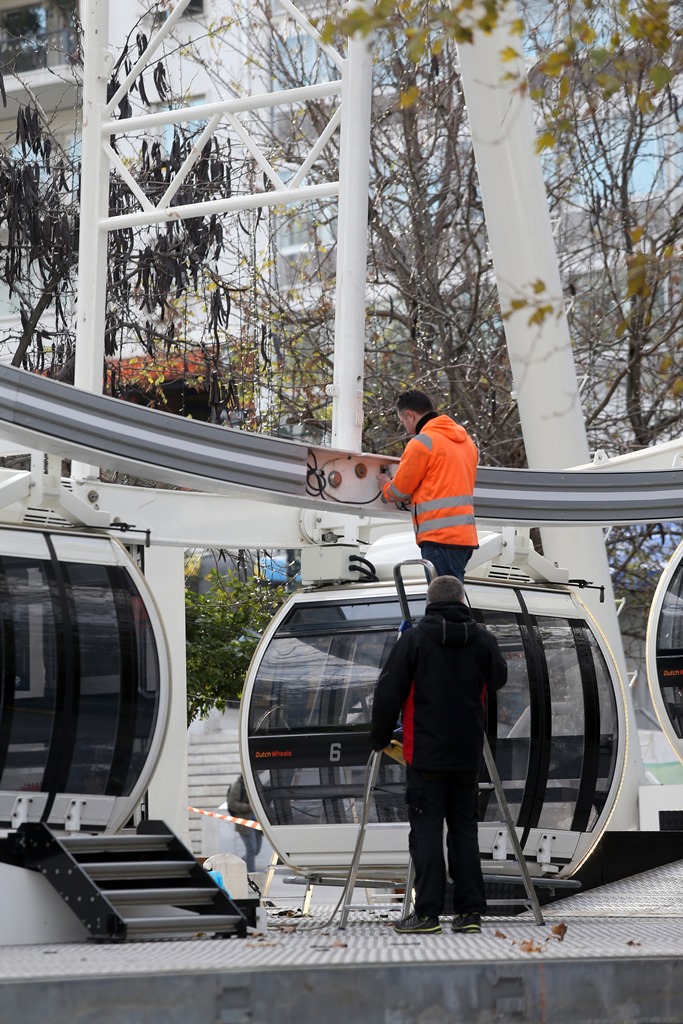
point(19, 54)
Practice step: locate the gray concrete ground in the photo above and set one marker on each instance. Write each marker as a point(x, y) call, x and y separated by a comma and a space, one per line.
point(609, 955)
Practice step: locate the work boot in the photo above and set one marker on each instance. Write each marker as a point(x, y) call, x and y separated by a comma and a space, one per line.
point(467, 923)
point(416, 925)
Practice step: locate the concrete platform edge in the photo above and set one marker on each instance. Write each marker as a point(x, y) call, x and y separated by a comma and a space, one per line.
point(649, 991)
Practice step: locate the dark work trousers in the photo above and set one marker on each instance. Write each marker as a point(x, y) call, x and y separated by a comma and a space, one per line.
point(448, 560)
point(435, 797)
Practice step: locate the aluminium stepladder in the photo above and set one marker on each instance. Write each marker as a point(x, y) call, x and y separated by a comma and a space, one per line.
point(495, 784)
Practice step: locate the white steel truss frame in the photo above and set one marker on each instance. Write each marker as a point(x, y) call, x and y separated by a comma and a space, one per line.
point(353, 89)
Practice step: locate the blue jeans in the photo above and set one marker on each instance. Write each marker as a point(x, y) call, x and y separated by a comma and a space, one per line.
point(448, 561)
point(252, 839)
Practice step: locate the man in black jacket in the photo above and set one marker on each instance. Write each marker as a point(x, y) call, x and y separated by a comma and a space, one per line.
point(438, 675)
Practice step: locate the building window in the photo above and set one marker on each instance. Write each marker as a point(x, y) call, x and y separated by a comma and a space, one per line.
point(37, 37)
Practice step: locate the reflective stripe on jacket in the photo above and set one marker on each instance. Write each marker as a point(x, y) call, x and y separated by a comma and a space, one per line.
point(436, 474)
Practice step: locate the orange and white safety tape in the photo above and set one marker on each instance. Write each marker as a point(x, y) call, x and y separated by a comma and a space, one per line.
point(227, 817)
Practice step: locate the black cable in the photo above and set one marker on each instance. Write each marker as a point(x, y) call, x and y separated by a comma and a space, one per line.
point(319, 490)
point(365, 568)
point(363, 561)
point(367, 577)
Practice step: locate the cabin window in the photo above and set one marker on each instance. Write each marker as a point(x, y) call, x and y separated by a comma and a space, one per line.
point(80, 682)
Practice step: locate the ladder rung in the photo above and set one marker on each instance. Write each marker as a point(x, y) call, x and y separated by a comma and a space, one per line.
point(360, 883)
point(536, 881)
point(522, 902)
point(139, 869)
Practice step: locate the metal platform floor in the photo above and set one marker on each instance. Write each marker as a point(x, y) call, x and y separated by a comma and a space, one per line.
point(620, 959)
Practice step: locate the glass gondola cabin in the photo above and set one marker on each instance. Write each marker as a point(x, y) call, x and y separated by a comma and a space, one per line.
point(557, 729)
point(85, 680)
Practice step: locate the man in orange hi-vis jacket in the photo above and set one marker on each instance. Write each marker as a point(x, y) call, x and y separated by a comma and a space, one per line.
point(436, 475)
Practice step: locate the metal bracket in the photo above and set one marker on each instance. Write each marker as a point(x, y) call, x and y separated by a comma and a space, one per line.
point(20, 810)
point(513, 547)
point(48, 491)
point(72, 818)
point(500, 845)
point(586, 585)
point(544, 851)
point(15, 488)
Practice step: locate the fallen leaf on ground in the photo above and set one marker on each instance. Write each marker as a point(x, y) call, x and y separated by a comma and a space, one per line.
point(529, 946)
point(559, 931)
point(632, 943)
point(499, 935)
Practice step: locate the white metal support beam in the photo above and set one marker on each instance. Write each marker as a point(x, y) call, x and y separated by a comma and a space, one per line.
point(351, 116)
point(352, 248)
point(14, 486)
point(525, 260)
point(94, 201)
point(520, 233)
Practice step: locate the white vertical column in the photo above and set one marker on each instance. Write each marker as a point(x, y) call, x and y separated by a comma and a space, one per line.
point(92, 249)
point(352, 247)
point(520, 234)
point(168, 787)
point(523, 249)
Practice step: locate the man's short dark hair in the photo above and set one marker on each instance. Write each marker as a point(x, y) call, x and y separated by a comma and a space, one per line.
point(416, 401)
point(445, 590)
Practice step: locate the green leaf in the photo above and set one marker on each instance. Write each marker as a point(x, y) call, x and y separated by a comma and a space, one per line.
point(600, 55)
point(660, 76)
point(545, 141)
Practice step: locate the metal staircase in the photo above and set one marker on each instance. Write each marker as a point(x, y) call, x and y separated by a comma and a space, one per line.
point(128, 886)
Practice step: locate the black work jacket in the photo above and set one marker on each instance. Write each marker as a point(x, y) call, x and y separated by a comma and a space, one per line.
point(437, 676)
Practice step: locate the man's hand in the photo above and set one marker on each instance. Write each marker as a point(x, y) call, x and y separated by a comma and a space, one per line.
point(383, 478)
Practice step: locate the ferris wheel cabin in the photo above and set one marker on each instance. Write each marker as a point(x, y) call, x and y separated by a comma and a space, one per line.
point(557, 729)
point(85, 681)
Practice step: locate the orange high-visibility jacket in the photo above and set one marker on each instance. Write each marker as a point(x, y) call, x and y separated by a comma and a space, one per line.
point(436, 474)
